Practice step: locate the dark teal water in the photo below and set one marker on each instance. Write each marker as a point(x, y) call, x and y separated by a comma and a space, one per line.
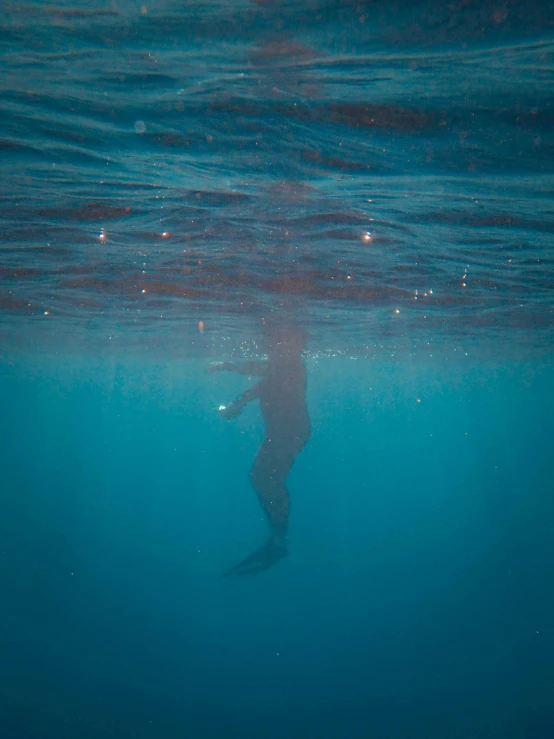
point(175, 175)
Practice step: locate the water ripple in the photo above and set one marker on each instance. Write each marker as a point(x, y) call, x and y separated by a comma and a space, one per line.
point(379, 171)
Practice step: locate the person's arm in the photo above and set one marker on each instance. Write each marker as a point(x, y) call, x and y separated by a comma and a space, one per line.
point(255, 367)
point(234, 409)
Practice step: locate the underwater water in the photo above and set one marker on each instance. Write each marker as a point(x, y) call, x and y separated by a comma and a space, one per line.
point(357, 191)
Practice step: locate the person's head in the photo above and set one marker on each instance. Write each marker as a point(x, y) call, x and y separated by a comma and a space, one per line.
point(285, 339)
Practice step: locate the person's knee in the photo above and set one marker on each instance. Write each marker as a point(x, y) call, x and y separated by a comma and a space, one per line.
point(269, 483)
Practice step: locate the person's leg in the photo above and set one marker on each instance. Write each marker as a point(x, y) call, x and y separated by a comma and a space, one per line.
point(268, 477)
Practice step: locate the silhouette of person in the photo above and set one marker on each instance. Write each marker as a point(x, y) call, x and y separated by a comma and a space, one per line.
point(282, 396)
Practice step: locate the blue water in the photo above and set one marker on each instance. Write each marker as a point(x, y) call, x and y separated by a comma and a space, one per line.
point(175, 178)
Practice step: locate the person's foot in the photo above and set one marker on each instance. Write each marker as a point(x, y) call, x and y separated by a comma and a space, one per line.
point(262, 559)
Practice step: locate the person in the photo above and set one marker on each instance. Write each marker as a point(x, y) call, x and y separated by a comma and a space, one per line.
point(281, 392)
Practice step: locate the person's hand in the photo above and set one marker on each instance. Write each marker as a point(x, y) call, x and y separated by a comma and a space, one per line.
point(230, 411)
point(216, 367)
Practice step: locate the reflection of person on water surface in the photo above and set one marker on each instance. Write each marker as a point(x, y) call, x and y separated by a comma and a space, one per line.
point(282, 395)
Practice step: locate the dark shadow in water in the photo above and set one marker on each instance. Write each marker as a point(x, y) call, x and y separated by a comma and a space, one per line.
point(281, 392)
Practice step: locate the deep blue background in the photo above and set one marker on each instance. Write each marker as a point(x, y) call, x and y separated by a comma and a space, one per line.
point(416, 601)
